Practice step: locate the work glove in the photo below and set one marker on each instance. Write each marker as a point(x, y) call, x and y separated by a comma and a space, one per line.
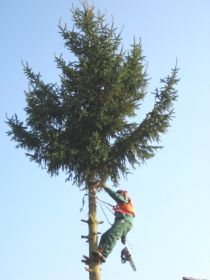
point(104, 185)
point(98, 185)
point(123, 239)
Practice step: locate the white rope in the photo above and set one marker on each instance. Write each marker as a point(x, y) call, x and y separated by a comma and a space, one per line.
point(104, 213)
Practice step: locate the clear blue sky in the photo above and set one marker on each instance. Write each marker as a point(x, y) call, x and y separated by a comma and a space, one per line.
point(40, 225)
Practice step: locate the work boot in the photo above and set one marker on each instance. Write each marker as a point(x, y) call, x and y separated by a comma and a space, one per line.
point(99, 256)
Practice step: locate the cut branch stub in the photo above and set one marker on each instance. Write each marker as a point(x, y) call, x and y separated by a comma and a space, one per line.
point(85, 237)
point(85, 221)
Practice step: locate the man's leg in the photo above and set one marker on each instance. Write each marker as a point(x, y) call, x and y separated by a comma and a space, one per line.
point(110, 237)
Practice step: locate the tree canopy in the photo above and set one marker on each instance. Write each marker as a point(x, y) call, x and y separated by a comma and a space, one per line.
point(84, 124)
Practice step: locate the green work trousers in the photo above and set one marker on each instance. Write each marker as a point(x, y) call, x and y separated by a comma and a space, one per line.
point(109, 239)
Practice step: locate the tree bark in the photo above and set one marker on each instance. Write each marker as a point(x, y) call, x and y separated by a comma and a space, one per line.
point(94, 273)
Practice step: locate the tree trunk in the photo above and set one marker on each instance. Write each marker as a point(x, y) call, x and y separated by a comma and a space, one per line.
point(94, 273)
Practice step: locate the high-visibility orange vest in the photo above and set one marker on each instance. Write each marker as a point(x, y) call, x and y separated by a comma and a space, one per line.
point(125, 208)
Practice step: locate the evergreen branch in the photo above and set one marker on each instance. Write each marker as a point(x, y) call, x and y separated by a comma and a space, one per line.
point(136, 146)
point(18, 132)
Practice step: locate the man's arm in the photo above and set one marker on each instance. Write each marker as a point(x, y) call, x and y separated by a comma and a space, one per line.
point(116, 196)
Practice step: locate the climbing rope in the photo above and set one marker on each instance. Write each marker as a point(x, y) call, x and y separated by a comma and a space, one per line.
point(83, 202)
point(100, 202)
point(105, 203)
point(105, 213)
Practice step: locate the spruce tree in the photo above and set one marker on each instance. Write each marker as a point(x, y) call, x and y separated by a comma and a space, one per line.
point(84, 125)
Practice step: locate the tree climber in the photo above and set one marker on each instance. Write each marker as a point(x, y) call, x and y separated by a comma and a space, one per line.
point(124, 218)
